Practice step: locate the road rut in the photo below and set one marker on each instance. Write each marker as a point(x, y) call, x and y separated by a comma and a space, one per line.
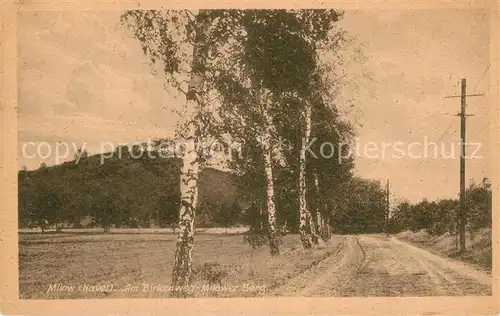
point(376, 265)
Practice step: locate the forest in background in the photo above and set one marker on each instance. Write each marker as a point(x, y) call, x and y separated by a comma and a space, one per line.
point(144, 192)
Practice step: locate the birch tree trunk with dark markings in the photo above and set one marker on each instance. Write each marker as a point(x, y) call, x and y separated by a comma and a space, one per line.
point(304, 214)
point(182, 269)
point(271, 208)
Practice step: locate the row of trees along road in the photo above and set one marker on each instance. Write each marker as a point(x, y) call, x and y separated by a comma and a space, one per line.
point(439, 217)
point(264, 69)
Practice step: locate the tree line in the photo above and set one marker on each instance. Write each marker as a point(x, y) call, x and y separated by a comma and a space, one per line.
point(144, 193)
point(439, 217)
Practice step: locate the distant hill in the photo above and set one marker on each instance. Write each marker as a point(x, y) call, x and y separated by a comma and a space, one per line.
point(135, 192)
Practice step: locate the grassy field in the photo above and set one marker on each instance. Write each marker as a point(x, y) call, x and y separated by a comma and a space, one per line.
point(210, 230)
point(94, 265)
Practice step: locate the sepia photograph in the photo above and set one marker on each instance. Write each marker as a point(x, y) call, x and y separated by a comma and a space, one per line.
point(255, 153)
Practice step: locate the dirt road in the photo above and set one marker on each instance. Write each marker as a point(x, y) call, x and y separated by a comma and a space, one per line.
point(374, 265)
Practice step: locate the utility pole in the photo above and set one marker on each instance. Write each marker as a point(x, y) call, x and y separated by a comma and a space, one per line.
point(462, 218)
point(461, 213)
point(387, 209)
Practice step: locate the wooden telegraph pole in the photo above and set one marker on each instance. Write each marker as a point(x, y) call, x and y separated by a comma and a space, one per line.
point(462, 211)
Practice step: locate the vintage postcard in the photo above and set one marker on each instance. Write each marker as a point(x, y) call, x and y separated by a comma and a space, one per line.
point(248, 158)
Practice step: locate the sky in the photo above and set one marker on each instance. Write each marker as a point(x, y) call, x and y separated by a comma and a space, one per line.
point(83, 80)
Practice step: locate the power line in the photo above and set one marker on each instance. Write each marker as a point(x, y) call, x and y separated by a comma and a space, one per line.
point(482, 130)
point(439, 139)
point(482, 76)
point(462, 96)
point(445, 132)
point(477, 86)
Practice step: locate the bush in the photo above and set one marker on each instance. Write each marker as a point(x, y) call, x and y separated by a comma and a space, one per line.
point(256, 238)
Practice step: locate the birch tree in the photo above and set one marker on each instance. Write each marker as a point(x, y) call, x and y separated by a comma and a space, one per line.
point(294, 75)
point(272, 59)
point(280, 56)
point(329, 173)
point(165, 37)
point(246, 115)
point(305, 218)
point(268, 160)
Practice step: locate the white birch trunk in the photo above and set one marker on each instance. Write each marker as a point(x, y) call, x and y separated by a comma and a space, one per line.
point(185, 240)
point(328, 228)
point(182, 269)
point(261, 218)
point(312, 224)
point(271, 208)
point(316, 202)
point(319, 220)
point(304, 215)
point(319, 210)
